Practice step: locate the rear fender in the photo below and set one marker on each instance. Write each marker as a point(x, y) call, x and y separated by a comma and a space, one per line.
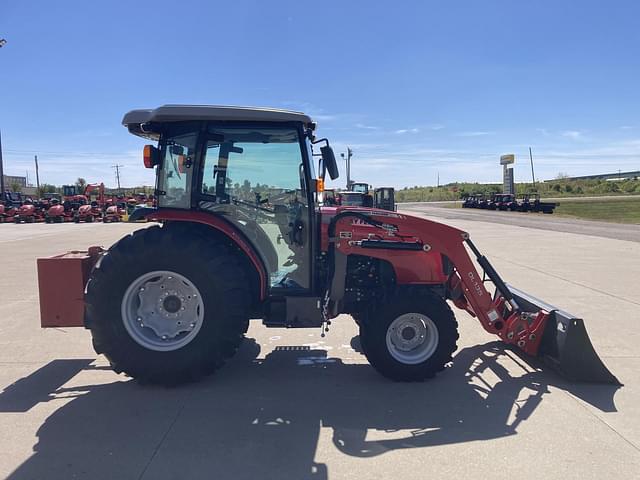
point(225, 228)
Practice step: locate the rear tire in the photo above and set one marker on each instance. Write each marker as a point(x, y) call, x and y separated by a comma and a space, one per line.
point(410, 339)
point(208, 265)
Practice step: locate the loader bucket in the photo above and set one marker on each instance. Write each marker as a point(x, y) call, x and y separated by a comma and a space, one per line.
point(565, 344)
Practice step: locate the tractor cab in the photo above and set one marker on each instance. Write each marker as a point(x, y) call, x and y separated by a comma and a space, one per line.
point(363, 189)
point(252, 169)
point(384, 198)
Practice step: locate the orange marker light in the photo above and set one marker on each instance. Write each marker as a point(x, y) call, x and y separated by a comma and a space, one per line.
point(147, 156)
point(320, 185)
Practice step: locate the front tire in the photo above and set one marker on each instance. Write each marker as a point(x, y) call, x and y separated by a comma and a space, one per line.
point(204, 287)
point(410, 339)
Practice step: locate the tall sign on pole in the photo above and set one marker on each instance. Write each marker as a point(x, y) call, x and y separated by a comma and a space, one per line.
point(508, 185)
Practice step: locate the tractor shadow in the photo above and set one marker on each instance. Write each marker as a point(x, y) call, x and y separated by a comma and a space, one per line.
point(262, 418)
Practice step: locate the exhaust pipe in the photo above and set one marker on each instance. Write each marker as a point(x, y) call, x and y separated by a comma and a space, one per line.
point(565, 344)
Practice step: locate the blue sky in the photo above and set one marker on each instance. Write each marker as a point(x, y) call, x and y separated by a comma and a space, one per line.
point(415, 88)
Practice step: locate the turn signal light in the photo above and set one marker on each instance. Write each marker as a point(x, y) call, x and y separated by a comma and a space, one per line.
point(320, 185)
point(151, 156)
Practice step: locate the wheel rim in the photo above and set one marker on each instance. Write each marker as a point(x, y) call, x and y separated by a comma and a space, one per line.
point(162, 310)
point(412, 338)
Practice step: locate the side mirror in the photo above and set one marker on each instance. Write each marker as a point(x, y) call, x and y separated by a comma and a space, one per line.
point(151, 156)
point(329, 161)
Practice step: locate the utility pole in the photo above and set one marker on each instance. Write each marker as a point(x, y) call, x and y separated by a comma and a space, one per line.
point(438, 183)
point(533, 176)
point(117, 168)
point(37, 176)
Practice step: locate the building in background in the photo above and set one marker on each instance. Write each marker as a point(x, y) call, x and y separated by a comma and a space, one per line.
point(10, 180)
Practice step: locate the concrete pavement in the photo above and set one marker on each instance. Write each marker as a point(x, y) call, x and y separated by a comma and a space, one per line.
point(294, 405)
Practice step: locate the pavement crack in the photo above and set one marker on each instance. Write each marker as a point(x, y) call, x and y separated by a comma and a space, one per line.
point(159, 445)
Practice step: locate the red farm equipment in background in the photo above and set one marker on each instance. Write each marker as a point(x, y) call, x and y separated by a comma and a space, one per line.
point(29, 212)
point(9, 204)
point(91, 208)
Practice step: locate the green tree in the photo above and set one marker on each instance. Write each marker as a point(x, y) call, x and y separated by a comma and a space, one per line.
point(46, 188)
point(81, 183)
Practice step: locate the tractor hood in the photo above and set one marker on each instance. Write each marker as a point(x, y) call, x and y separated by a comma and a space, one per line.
point(409, 227)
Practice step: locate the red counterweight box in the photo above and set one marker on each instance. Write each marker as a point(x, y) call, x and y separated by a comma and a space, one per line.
point(61, 282)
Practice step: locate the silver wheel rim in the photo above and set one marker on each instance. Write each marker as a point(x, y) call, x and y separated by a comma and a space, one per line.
point(162, 310)
point(412, 338)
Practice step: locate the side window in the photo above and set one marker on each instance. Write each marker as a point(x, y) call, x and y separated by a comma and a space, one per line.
point(177, 170)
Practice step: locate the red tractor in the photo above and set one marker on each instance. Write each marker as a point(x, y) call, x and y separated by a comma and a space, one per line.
point(55, 213)
point(242, 236)
point(29, 212)
point(90, 210)
point(9, 203)
point(113, 211)
point(6, 213)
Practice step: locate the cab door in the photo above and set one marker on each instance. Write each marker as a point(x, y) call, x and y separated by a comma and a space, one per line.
point(255, 177)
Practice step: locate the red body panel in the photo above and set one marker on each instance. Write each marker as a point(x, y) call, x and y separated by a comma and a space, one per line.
point(26, 210)
point(411, 267)
point(55, 211)
point(224, 227)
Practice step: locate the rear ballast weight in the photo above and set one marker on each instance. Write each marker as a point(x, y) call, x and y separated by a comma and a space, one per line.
point(171, 303)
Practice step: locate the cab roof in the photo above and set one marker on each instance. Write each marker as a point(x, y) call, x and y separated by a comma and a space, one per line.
point(140, 122)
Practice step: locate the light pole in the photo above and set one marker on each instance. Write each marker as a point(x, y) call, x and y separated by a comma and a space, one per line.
point(348, 160)
point(2, 44)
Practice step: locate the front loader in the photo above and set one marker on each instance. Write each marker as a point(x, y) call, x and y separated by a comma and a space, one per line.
point(242, 235)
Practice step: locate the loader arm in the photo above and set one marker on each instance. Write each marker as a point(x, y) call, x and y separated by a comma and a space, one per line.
point(536, 327)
